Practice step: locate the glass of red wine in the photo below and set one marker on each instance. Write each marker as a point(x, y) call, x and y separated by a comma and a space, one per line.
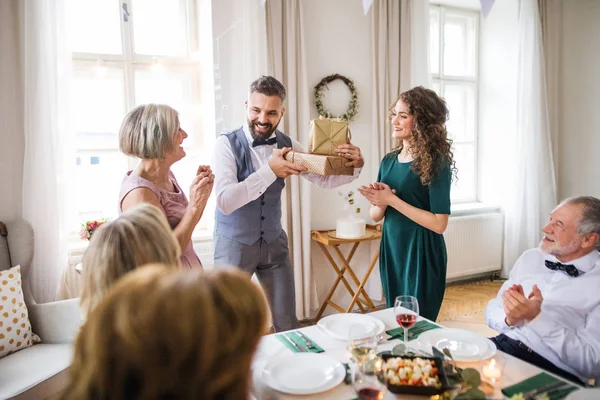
point(406, 309)
point(368, 379)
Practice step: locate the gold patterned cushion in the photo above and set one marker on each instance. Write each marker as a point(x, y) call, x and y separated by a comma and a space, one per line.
point(15, 328)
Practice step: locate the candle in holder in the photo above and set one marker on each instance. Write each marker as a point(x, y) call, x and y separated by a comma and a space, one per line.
point(492, 371)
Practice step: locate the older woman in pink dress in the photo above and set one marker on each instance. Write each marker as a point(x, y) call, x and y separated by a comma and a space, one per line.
point(152, 132)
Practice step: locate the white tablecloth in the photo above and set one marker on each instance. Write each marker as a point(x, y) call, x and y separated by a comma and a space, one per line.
point(270, 347)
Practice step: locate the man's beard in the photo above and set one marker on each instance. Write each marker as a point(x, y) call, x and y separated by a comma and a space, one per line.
point(556, 250)
point(262, 135)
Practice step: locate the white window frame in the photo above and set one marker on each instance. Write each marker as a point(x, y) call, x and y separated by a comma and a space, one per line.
point(129, 61)
point(440, 79)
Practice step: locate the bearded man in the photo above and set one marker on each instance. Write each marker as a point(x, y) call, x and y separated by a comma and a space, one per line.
point(548, 311)
point(249, 179)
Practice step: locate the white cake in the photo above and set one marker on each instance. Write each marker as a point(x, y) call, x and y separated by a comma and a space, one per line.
point(350, 228)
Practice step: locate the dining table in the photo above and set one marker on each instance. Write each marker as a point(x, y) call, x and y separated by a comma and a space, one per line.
point(271, 348)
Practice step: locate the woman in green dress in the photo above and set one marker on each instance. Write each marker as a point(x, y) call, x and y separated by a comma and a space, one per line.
point(412, 192)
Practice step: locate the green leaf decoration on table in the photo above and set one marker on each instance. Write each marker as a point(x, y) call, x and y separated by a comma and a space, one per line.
point(472, 394)
point(399, 350)
point(471, 377)
point(447, 353)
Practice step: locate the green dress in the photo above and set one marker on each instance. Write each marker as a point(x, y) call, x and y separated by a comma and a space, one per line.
point(413, 258)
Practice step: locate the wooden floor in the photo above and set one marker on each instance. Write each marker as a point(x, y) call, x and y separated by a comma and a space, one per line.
point(463, 306)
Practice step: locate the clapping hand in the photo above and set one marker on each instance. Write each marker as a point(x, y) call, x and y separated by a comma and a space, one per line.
point(378, 194)
point(201, 187)
point(518, 308)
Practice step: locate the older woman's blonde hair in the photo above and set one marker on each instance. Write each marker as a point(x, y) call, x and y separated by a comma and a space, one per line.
point(161, 334)
point(141, 235)
point(148, 131)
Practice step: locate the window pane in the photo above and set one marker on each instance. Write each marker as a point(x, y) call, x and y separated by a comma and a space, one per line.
point(459, 44)
point(94, 26)
point(434, 40)
point(98, 107)
point(460, 99)
point(96, 187)
point(173, 88)
point(159, 27)
point(463, 189)
point(437, 87)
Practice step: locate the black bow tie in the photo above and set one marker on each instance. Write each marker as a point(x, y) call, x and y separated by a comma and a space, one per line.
point(568, 269)
point(257, 142)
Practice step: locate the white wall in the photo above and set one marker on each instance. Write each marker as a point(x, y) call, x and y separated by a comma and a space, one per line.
point(579, 134)
point(11, 128)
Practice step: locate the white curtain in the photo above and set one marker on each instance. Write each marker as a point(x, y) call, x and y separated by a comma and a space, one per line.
point(286, 62)
point(550, 17)
point(533, 192)
point(46, 66)
point(400, 61)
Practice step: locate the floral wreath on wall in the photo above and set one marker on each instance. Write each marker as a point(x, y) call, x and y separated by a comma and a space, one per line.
point(352, 110)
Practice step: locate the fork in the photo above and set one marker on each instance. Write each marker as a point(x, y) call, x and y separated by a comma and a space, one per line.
point(309, 345)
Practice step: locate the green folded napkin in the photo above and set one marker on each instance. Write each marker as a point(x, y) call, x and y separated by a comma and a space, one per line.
point(296, 338)
point(414, 331)
point(540, 381)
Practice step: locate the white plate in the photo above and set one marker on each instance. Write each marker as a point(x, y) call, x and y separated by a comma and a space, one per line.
point(338, 325)
point(303, 373)
point(464, 345)
point(584, 394)
point(490, 352)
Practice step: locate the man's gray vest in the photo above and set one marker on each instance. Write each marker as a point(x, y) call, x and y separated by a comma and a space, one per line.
point(260, 218)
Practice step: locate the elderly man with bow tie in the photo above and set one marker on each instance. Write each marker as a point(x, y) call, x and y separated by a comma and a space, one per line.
point(548, 311)
point(249, 179)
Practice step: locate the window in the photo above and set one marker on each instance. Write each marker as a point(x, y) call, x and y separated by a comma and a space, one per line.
point(126, 53)
point(453, 50)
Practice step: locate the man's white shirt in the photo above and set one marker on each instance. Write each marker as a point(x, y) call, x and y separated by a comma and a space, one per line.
point(567, 330)
point(232, 194)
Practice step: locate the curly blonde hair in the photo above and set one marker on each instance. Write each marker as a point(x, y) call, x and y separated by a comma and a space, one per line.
point(429, 143)
point(170, 334)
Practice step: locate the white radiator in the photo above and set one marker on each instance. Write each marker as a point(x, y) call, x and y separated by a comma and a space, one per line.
point(474, 244)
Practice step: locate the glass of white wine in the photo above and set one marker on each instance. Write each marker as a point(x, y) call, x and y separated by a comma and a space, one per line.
point(362, 345)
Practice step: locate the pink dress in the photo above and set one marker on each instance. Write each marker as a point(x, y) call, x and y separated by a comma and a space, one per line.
point(174, 204)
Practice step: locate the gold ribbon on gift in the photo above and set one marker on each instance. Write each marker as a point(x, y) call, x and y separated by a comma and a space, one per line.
point(326, 134)
point(320, 165)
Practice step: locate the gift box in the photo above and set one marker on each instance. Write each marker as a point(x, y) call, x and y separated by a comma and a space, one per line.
point(320, 165)
point(326, 134)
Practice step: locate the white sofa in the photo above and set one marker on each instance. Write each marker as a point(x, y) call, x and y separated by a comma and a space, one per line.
point(40, 371)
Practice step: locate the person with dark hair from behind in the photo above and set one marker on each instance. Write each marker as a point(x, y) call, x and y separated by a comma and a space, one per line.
point(249, 179)
point(548, 311)
point(161, 333)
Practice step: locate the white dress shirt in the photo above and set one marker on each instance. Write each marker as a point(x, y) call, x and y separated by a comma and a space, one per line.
point(232, 194)
point(567, 330)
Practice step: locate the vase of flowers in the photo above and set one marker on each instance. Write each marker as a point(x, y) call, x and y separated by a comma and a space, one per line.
point(88, 228)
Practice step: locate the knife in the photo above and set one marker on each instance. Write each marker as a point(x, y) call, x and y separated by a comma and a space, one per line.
point(551, 386)
point(298, 347)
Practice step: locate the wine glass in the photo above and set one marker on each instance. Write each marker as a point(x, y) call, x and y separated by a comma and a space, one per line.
point(406, 309)
point(362, 344)
point(368, 379)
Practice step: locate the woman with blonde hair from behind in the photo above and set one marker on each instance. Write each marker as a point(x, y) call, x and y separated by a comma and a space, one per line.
point(139, 236)
point(161, 334)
